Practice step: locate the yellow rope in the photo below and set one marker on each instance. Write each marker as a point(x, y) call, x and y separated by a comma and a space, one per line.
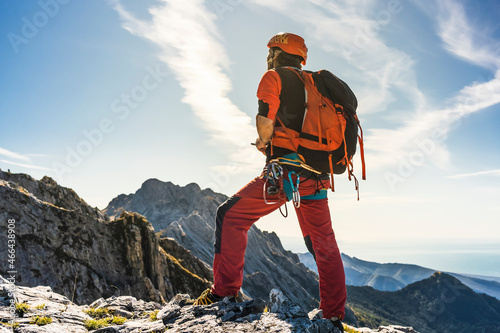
point(299, 163)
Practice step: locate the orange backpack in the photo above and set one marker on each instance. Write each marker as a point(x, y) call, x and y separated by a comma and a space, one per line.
point(329, 134)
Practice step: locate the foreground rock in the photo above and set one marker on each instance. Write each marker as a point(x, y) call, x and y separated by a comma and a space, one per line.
point(277, 315)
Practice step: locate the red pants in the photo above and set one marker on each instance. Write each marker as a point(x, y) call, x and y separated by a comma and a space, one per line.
point(241, 211)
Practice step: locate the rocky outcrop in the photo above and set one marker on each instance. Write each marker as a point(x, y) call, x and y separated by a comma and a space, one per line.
point(125, 314)
point(63, 243)
point(187, 214)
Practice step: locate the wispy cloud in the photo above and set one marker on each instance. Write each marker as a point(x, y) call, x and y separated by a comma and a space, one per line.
point(27, 166)
point(13, 155)
point(476, 174)
point(465, 41)
point(389, 146)
point(460, 38)
point(190, 45)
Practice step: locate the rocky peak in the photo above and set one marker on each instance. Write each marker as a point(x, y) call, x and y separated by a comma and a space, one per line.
point(163, 202)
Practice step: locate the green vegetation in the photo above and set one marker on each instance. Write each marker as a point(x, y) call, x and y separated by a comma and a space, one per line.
point(118, 320)
point(102, 317)
point(367, 318)
point(153, 315)
point(350, 330)
point(41, 320)
point(22, 308)
point(40, 306)
point(98, 313)
point(93, 324)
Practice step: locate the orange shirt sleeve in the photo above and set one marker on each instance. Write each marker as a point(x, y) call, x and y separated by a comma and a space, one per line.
point(268, 94)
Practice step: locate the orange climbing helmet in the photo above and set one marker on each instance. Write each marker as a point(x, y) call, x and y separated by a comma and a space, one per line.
point(290, 43)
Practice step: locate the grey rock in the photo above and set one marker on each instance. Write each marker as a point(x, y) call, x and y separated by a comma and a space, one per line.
point(98, 303)
point(122, 313)
point(77, 251)
point(177, 316)
point(315, 314)
point(4, 330)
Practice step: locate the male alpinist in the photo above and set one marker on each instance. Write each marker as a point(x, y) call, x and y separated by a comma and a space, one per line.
point(281, 97)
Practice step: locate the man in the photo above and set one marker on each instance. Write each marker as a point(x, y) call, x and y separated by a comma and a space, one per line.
point(281, 106)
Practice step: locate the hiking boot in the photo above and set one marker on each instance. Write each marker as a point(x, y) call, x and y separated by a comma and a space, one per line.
point(207, 298)
point(337, 324)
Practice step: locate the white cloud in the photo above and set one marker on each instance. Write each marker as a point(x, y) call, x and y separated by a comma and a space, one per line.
point(11, 154)
point(190, 45)
point(389, 146)
point(476, 174)
point(27, 166)
point(464, 40)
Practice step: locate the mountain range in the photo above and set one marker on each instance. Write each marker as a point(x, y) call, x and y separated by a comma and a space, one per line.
point(394, 276)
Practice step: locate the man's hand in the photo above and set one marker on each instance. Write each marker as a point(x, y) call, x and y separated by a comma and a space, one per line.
point(261, 145)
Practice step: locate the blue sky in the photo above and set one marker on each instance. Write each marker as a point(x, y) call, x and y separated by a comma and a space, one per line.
point(102, 95)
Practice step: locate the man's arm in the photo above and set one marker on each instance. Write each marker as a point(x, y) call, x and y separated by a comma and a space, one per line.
point(269, 101)
point(265, 129)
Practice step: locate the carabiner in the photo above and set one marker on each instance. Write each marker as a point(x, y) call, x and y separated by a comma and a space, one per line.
point(295, 189)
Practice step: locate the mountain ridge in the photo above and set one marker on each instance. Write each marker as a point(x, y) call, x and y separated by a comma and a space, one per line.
point(394, 276)
point(440, 303)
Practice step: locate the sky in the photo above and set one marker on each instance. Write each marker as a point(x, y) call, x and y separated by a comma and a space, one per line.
point(103, 95)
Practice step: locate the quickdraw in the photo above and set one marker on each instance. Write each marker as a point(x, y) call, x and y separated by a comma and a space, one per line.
point(273, 173)
point(295, 188)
